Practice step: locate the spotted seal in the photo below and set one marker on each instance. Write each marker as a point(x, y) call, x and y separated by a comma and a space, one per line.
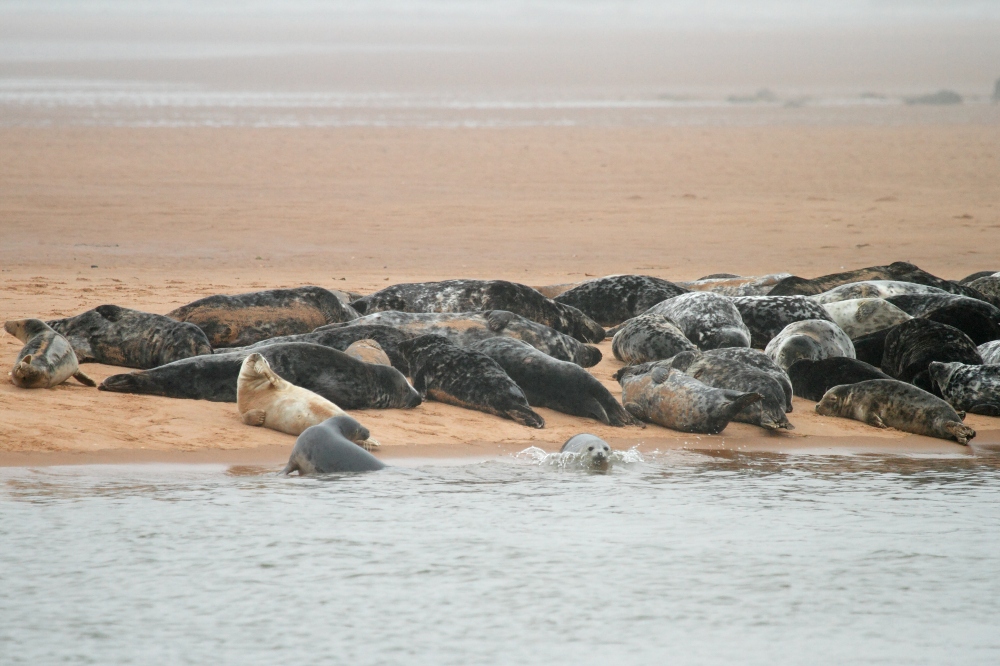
point(812, 379)
point(734, 285)
point(596, 451)
point(114, 335)
point(970, 388)
point(707, 319)
point(329, 448)
point(648, 337)
point(466, 378)
point(332, 374)
point(912, 346)
point(889, 403)
point(243, 319)
point(988, 285)
point(874, 289)
point(558, 385)
point(611, 300)
point(969, 279)
point(368, 351)
point(766, 316)
point(990, 352)
point(860, 316)
point(479, 296)
point(756, 358)
point(47, 358)
point(815, 339)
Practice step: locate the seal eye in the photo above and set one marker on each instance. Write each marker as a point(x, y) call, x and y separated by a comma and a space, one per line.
point(590, 448)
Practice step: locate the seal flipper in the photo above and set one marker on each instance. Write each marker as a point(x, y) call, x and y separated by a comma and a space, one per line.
point(290, 467)
point(633, 409)
point(961, 432)
point(874, 420)
point(254, 417)
point(986, 409)
point(83, 379)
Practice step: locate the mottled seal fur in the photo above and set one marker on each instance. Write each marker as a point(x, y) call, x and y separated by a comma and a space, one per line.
point(734, 285)
point(977, 319)
point(46, 359)
point(119, 336)
point(912, 346)
point(861, 316)
point(756, 358)
point(990, 352)
point(812, 379)
point(874, 289)
point(670, 398)
point(648, 337)
point(368, 351)
point(969, 279)
point(243, 319)
point(888, 403)
point(707, 319)
point(466, 378)
point(558, 385)
point(595, 449)
point(989, 286)
point(611, 300)
point(766, 316)
point(815, 339)
point(334, 375)
point(479, 296)
point(970, 388)
point(329, 448)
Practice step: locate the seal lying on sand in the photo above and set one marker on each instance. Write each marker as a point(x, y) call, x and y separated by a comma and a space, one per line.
point(812, 379)
point(243, 319)
point(670, 398)
point(756, 358)
point(989, 285)
point(734, 285)
point(368, 351)
point(977, 319)
point(971, 388)
point(466, 378)
point(611, 300)
point(479, 296)
point(990, 352)
point(874, 289)
point(888, 403)
point(46, 360)
point(861, 316)
point(119, 336)
point(708, 320)
point(912, 346)
point(814, 339)
point(766, 316)
point(648, 337)
point(332, 374)
point(969, 279)
point(558, 385)
point(329, 448)
point(593, 448)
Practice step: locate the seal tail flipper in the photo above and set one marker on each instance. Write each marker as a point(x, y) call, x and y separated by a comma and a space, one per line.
point(263, 368)
point(961, 432)
point(83, 379)
point(634, 409)
point(986, 409)
point(289, 468)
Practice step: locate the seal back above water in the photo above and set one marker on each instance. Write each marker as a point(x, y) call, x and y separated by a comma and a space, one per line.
point(330, 448)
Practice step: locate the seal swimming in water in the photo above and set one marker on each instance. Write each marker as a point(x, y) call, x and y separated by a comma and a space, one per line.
point(734, 285)
point(766, 316)
point(130, 338)
point(334, 375)
point(243, 319)
point(596, 451)
point(368, 351)
point(912, 346)
point(330, 448)
point(990, 352)
point(480, 296)
point(812, 379)
point(815, 339)
point(670, 398)
point(889, 403)
point(648, 337)
point(47, 358)
point(611, 300)
point(860, 316)
point(707, 319)
point(558, 385)
point(970, 388)
point(466, 378)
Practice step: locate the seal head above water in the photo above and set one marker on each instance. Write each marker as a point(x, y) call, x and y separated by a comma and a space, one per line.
point(596, 451)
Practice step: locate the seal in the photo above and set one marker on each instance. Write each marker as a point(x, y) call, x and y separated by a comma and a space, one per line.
point(969, 279)
point(596, 451)
point(368, 351)
point(970, 388)
point(912, 346)
point(553, 290)
point(468, 328)
point(243, 319)
point(481, 295)
point(47, 358)
point(466, 378)
point(559, 385)
point(329, 448)
point(977, 319)
point(766, 316)
point(860, 316)
point(756, 358)
point(889, 403)
point(668, 397)
point(707, 319)
point(812, 379)
point(611, 300)
point(648, 337)
point(869, 348)
point(130, 338)
point(990, 352)
point(874, 289)
point(989, 285)
point(332, 374)
point(815, 339)
point(734, 285)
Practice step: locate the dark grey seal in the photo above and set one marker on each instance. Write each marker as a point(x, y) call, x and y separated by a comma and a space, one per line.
point(888, 403)
point(970, 388)
point(596, 451)
point(913, 345)
point(756, 358)
point(611, 300)
point(481, 295)
point(707, 319)
point(344, 381)
point(648, 337)
point(46, 359)
point(812, 379)
point(559, 385)
point(331, 447)
point(977, 319)
point(119, 336)
point(988, 285)
point(766, 316)
point(969, 279)
point(466, 378)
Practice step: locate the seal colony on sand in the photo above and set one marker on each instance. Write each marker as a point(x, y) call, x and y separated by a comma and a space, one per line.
point(330, 448)
point(812, 379)
point(767, 316)
point(611, 300)
point(708, 320)
point(46, 359)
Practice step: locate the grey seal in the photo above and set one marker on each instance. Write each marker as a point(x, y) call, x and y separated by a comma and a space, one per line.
point(969, 279)
point(611, 300)
point(46, 359)
point(648, 337)
point(814, 339)
point(734, 285)
point(766, 316)
point(812, 379)
point(970, 388)
point(912, 346)
point(860, 316)
point(596, 451)
point(756, 358)
point(707, 319)
point(988, 285)
point(990, 352)
point(330, 447)
point(977, 319)
point(875, 289)
point(368, 351)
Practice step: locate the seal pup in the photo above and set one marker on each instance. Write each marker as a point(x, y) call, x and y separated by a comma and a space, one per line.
point(734, 285)
point(756, 358)
point(243, 319)
point(990, 352)
point(889, 403)
point(861, 316)
point(466, 378)
point(812, 379)
point(766, 316)
point(912, 346)
point(970, 388)
point(558, 385)
point(648, 337)
point(611, 300)
point(130, 338)
point(329, 448)
point(668, 397)
point(47, 358)
point(368, 351)
point(815, 339)
point(479, 296)
point(874, 289)
point(707, 319)
point(596, 451)
point(334, 375)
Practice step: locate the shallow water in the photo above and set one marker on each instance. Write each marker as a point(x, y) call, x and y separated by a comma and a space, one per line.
point(528, 559)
